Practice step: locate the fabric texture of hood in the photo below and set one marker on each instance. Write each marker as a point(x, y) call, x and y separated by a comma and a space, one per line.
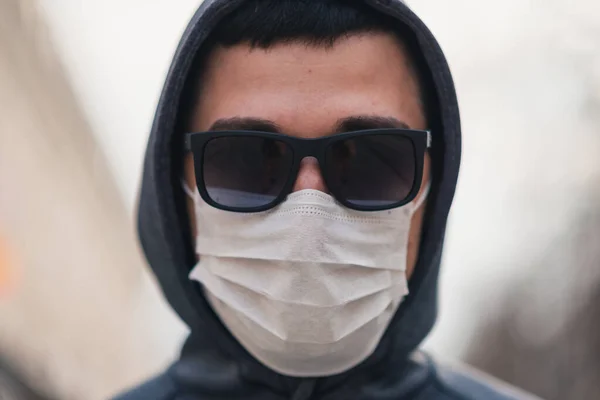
point(212, 360)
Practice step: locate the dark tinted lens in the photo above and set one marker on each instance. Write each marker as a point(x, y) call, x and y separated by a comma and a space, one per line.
point(372, 170)
point(245, 171)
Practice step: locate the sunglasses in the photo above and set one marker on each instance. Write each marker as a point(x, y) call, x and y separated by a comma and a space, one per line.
point(368, 170)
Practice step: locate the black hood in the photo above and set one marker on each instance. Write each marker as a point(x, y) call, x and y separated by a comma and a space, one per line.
point(212, 360)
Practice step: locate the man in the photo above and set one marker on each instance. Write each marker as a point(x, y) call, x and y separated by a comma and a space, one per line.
point(297, 182)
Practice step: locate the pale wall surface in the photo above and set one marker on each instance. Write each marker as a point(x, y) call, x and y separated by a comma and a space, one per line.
point(76, 313)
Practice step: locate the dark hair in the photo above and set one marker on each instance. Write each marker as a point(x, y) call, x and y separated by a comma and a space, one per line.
point(264, 23)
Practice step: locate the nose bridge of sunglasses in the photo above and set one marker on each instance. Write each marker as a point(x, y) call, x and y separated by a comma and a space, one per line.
point(310, 176)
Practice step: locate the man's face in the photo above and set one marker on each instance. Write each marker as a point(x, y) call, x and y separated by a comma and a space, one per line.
point(306, 90)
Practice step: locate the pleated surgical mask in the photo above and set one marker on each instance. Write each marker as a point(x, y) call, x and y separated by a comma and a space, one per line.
point(309, 287)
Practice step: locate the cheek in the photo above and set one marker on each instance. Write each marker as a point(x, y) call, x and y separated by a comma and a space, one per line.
point(190, 180)
point(416, 224)
point(188, 170)
point(414, 240)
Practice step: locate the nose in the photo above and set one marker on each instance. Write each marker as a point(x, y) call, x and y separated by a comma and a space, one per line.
point(310, 176)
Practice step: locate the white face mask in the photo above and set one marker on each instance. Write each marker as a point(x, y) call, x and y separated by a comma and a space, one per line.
point(309, 287)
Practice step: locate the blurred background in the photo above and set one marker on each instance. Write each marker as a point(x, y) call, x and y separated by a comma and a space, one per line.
point(80, 315)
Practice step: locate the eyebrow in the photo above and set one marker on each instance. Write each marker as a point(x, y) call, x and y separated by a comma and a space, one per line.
point(349, 124)
point(363, 122)
point(245, 124)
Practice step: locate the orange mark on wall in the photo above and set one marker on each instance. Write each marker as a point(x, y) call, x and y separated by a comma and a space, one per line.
point(7, 267)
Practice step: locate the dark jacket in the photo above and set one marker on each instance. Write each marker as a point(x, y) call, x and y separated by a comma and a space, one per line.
point(213, 365)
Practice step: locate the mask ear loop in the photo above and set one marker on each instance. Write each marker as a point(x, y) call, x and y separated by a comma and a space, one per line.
point(423, 197)
point(187, 189)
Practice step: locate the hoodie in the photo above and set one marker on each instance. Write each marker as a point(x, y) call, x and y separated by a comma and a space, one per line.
point(212, 364)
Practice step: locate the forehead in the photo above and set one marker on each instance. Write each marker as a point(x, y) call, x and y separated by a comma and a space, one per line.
point(306, 89)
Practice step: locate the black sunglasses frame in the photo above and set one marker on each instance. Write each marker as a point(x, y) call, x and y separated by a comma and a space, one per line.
point(301, 148)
